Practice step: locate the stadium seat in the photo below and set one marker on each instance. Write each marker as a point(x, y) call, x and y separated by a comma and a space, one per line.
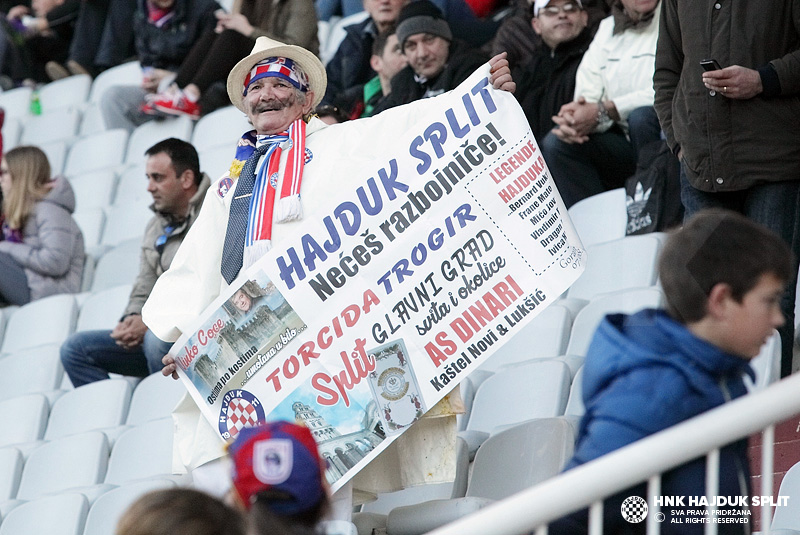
point(125, 222)
point(545, 336)
point(56, 152)
point(575, 408)
point(97, 151)
point(337, 34)
point(95, 406)
point(132, 187)
point(67, 463)
point(92, 121)
point(23, 419)
point(71, 92)
point(616, 265)
point(788, 517)
point(126, 74)
point(29, 371)
point(94, 190)
point(64, 514)
point(45, 321)
point(151, 132)
point(4, 314)
point(154, 398)
point(117, 266)
point(624, 301)
point(600, 218)
point(508, 462)
point(52, 126)
point(17, 102)
point(216, 161)
point(103, 309)
point(91, 221)
point(143, 452)
point(767, 365)
point(12, 129)
point(108, 508)
point(220, 128)
point(11, 463)
point(536, 389)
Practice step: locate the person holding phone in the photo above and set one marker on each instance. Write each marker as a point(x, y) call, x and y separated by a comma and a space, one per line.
point(733, 124)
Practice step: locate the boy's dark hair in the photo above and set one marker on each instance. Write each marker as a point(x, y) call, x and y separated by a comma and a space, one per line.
point(264, 521)
point(182, 153)
point(718, 246)
point(379, 44)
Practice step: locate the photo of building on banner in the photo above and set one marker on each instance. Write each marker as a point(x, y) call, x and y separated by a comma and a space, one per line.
point(427, 245)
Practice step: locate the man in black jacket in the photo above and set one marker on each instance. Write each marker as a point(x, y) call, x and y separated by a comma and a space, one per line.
point(547, 80)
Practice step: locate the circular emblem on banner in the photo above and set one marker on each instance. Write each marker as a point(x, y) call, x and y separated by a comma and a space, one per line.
point(634, 509)
point(239, 409)
point(224, 186)
point(393, 383)
point(309, 155)
point(273, 180)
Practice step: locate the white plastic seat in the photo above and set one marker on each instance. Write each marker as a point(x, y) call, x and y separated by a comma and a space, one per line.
point(95, 406)
point(108, 508)
point(220, 128)
point(103, 309)
point(151, 132)
point(142, 452)
point(623, 301)
point(45, 321)
point(29, 371)
point(600, 218)
point(52, 126)
point(627, 263)
point(132, 187)
point(94, 190)
point(575, 407)
point(64, 514)
point(788, 516)
point(56, 152)
point(92, 121)
point(154, 398)
point(16, 102)
point(23, 419)
point(216, 161)
point(508, 462)
point(12, 129)
point(92, 222)
point(125, 222)
point(117, 266)
point(767, 365)
point(11, 463)
point(67, 463)
point(126, 74)
point(4, 313)
point(97, 151)
point(545, 336)
point(70, 92)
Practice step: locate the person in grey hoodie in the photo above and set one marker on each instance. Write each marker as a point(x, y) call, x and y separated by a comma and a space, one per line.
point(41, 246)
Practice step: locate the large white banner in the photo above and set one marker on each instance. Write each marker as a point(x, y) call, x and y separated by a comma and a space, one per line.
point(420, 268)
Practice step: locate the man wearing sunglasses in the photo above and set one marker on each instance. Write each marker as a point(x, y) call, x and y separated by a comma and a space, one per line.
point(178, 188)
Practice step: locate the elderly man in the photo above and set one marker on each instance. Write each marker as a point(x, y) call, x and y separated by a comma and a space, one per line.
point(178, 188)
point(276, 86)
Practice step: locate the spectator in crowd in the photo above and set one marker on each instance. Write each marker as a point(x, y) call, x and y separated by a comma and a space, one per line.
point(547, 81)
point(436, 62)
point(180, 511)
point(164, 31)
point(214, 55)
point(516, 36)
point(722, 276)
point(387, 60)
point(292, 504)
point(178, 188)
point(41, 246)
point(735, 128)
point(350, 66)
point(35, 36)
point(330, 114)
point(597, 137)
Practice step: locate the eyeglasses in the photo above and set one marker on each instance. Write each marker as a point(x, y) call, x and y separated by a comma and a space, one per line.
point(161, 241)
point(554, 11)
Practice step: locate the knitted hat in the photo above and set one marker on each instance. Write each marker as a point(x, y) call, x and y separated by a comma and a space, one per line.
point(278, 456)
point(421, 17)
point(539, 4)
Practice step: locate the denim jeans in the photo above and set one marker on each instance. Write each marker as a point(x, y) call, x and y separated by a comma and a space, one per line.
point(89, 356)
point(776, 206)
point(14, 288)
point(581, 170)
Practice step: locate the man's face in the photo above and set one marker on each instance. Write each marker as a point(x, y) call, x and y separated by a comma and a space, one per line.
point(392, 61)
point(561, 27)
point(636, 8)
point(168, 189)
point(383, 12)
point(242, 301)
point(427, 54)
point(272, 104)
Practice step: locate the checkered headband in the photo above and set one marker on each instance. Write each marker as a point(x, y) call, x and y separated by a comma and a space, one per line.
point(283, 68)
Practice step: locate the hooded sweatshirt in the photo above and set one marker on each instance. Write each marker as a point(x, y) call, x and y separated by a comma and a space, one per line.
point(51, 252)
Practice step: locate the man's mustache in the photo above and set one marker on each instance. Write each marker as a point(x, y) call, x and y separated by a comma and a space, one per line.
point(272, 105)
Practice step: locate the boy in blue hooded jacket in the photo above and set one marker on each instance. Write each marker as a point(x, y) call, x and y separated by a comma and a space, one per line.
point(723, 276)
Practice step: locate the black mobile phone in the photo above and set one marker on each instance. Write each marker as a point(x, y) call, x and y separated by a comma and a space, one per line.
point(709, 65)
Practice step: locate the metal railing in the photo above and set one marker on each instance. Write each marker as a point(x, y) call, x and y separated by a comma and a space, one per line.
point(645, 460)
